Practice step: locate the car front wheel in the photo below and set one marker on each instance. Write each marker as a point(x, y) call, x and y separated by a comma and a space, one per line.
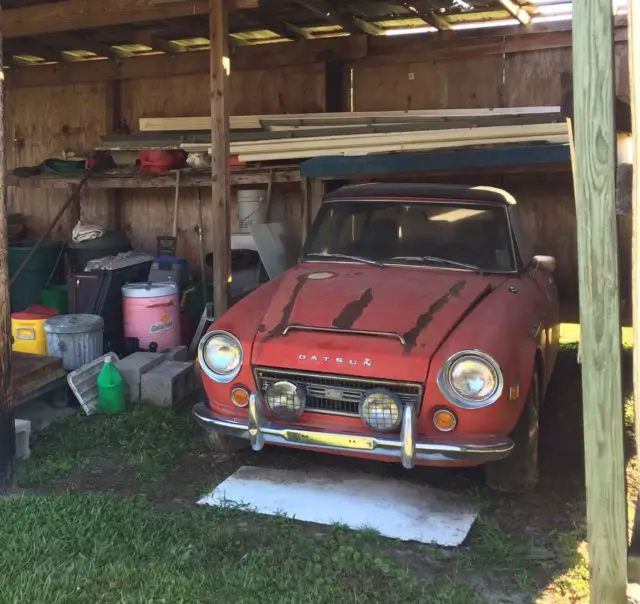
point(518, 473)
point(222, 443)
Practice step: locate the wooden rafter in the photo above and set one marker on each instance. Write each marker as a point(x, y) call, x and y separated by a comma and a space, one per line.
point(334, 15)
point(516, 11)
point(72, 15)
point(427, 14)
point(67, 41)
point(150, 39)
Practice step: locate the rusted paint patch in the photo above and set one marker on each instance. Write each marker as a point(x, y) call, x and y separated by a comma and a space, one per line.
point(262, 328)
point(411, 336)
point(287, 311)
point(353, 311)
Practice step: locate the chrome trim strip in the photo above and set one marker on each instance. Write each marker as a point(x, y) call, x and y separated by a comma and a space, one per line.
point(474, 450)
point(354, 332)
point(408, 437)
point(256, 420)
point(452, 397)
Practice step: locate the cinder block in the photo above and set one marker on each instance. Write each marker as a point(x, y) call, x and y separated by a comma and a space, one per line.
point(177, 353)
point(168, 384)
point(23, 435)
point(133, 367)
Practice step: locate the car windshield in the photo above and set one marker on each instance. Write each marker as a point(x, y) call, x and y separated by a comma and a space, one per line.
point(448, 235)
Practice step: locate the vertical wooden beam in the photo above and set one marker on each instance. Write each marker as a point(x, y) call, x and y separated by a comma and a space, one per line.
point(634, 86)
point(595, 142)
point(220, 182)
point(7, 433)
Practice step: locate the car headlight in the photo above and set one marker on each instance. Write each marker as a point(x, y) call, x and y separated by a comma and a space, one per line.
point(286, 400)
point(381, 410)
point(220, 356)
point(471, 379)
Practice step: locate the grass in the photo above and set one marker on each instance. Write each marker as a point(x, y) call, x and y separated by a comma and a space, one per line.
point(145, 441)
point(74, 549)
point(124, 548)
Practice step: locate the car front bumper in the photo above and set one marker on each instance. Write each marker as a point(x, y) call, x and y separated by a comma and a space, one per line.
point(259, 431)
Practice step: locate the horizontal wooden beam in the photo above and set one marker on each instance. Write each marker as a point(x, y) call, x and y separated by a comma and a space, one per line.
point(353, 50)
point(70, 15)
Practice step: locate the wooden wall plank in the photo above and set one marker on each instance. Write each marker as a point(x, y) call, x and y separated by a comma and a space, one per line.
point(41, 124)
point(428, 85)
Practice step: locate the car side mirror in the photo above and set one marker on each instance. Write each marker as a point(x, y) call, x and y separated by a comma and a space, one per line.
point(545, 263)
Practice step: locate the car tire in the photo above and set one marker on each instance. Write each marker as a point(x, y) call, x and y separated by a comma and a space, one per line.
point(222, 443)
point(518, 473)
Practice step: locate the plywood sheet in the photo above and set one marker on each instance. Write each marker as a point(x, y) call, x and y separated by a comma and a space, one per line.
point(429, 85)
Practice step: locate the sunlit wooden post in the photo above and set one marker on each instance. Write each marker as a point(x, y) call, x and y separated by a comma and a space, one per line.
point(220, 178)
point(595, 151)
point(7, 435)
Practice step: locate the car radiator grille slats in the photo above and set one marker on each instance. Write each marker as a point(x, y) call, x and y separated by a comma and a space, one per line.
point(334, 394)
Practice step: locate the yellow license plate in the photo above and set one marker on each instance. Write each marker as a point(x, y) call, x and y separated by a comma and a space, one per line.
point(344, 441)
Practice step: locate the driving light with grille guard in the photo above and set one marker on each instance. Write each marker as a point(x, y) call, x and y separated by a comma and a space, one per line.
point(381, 410)
point(471, 380)
point(220, 356)
point(286, 400)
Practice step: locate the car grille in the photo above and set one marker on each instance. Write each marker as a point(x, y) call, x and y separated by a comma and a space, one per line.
point(334, 394)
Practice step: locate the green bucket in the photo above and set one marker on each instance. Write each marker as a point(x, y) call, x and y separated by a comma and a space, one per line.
point(27, 289)
point(56, 296)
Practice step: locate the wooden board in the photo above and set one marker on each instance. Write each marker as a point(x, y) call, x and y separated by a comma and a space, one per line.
point(31, 372)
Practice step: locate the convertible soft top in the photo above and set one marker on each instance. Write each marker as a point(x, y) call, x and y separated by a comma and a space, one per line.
point(390, 191)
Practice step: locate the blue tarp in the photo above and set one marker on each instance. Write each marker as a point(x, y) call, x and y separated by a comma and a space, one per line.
point(430, 161)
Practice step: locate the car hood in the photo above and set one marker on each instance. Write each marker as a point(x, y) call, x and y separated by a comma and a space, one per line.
point(363, 320)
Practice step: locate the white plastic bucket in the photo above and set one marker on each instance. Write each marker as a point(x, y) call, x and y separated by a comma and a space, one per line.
point(76, 339)
point(251, 208)
point(152, 314)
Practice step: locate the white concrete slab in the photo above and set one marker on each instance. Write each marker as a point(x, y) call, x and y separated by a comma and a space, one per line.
point(396, 509)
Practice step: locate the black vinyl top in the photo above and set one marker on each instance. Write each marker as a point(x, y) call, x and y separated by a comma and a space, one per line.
point(426, 191)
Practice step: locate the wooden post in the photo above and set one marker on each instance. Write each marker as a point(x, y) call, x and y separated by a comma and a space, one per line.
point(595, 143)
point(634, 85)
point(7, 433)
point(220, 182)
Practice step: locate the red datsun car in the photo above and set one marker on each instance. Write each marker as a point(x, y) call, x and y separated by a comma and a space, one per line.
point(417, 327)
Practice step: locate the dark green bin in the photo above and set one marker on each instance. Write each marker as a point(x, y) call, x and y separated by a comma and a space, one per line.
point(27, 289)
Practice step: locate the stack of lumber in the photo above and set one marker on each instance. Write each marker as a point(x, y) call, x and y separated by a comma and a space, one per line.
point(265, 138)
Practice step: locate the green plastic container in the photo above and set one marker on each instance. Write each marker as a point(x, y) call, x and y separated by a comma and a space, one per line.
point(27, 289)
point(111, 390)
point(56, 296)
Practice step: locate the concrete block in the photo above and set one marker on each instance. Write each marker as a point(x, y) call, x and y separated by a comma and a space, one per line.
point(168, 384)
point(177, 353)
point(133, 367)
point(23, 436)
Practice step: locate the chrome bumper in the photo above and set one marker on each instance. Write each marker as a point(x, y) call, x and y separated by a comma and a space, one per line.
point(260, 432)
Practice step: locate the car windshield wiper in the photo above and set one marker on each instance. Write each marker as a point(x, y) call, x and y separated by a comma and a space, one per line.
point(347, 257)
point(471, 267)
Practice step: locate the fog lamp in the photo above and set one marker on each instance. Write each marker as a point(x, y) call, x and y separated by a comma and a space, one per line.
point(381, 410)
point(286, 400)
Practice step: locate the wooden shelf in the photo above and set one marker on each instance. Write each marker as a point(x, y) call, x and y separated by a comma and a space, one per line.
point(112, 180)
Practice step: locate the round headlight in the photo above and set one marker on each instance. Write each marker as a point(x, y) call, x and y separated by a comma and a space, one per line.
point(286, 400)
point(220, 356)
point(471, 379)
point(381, 410)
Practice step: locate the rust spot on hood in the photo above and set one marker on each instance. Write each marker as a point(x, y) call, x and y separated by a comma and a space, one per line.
point(411, 336)
point(287, 311)
point(353, 311)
